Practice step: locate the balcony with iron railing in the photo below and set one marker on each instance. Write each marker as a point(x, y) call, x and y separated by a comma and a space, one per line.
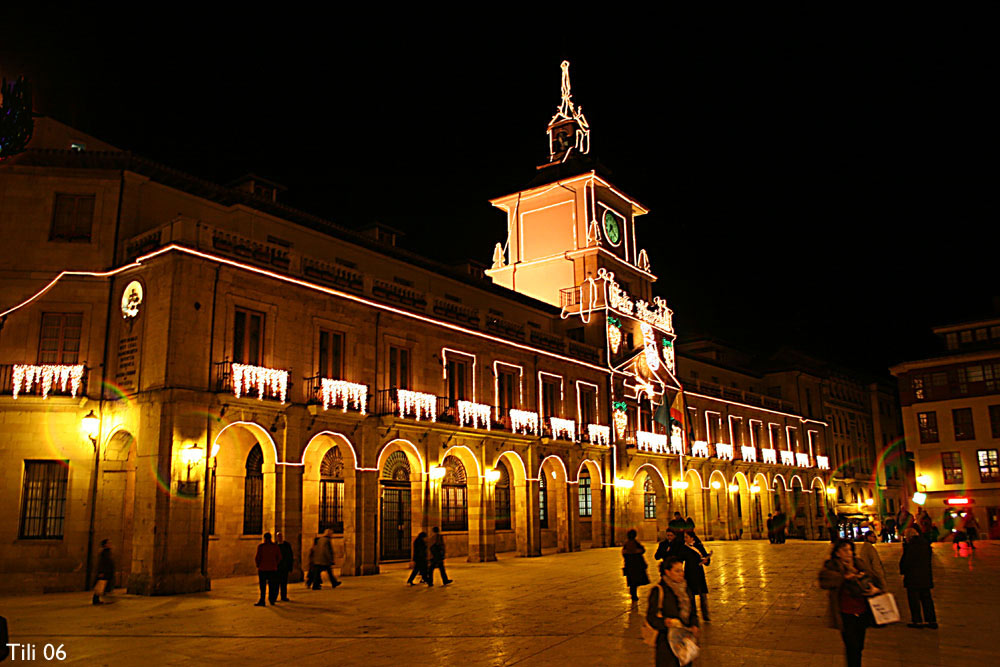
point(43, 380)
point(338, 394)
point(248, 381)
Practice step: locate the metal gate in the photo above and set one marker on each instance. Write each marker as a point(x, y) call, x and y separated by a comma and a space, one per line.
point(395, 528)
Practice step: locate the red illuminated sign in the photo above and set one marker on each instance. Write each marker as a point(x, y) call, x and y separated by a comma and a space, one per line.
point(958, 501)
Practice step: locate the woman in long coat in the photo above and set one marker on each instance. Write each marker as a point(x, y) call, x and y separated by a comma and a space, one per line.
point(695, 559)
point(848, 586)
point(635, 564)
point(677, 609)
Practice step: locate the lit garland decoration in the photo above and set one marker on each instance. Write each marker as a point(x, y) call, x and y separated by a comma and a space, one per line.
point(523, 421)
point(417, 403)
point(621, 418)
point(676, 438)
point(568, 111)
point(651, 442)
point(658, 315)
point(724, 451)
point(649, 343)
point(247, 377)
point(769, 455)
point(823, 462)
point(749, 453)
point(476, 414)
point(599, 435)
point(345, 393)
point(565, 427)
point(66, 376)
point(787, 458)
point(699, 448)
point(677, 445)
point(802, 459)
point(668, 354)
point(614, 334)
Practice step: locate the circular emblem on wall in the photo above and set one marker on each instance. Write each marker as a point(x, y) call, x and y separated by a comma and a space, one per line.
point(131, 299)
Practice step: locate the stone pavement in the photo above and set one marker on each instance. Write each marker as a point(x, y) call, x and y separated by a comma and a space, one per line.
point(555, 610)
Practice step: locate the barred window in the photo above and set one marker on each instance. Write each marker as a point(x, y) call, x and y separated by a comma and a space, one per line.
point(543, 498)
point(59, 339)
point(989, 466)
point(586, 507)
point(72, 217)
point(454, 496)
point(649, 499)
point(927, 422)
point(253, 493)
point(331, 492)
point(501, 498)
point(951, 467)
point(43, 500)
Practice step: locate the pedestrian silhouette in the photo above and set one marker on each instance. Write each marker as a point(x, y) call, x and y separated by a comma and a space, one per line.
point(285, 565)
point(419, 559)
point(437, 558)
point(105, 572)
point(267, 559)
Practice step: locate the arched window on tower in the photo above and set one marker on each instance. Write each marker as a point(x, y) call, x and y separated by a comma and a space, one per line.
point(649, 499)
point(543, 502)
point(501, 498)
point(454, 496)
point(331, 492)
point(253, 493)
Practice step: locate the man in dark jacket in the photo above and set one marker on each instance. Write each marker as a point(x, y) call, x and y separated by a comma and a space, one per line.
point(437, 558)
point(770, 529)
point(267, 559)
point(285, 565)
point(677, 524)
point(105, 572)
point(918, 579)
point(670, 546)
point(419, 559)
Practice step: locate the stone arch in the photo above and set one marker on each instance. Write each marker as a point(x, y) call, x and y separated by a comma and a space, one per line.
point(116, 501)
point(717, 510)
point(760, 503)
point(400, 473)
point(552, 474)
point(743, 519)
point(316, 491)
point(648, 480)
point(592, 527)
point(515, 538)
point(227, 552)
point(694, 500)
point(460, 462)
point(799, 524)
point(467, 457)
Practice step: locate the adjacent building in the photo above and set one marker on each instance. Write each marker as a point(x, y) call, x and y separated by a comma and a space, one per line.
point(951, 421)
point(185, 366)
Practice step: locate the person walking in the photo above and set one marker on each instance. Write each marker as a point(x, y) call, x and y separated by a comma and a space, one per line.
point(871, 564)
point(322, 559)
point(670, 546)
point(437, 558)
point(267, 559)
point(285, 565)
point(971, 528)
point(312, 575)
point(779, 527)
point(105, 572)
point(695, 559)
point(904, 520)
point(770, 528)
point(918, 579)
point(670, 606)
point(677, 523)
point(419, 559)
point(843, 577)
point(634, 567)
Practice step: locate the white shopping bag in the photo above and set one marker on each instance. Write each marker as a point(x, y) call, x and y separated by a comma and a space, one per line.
point(884, 609)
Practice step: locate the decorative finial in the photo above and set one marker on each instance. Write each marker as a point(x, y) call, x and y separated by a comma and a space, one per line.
point(562, 137)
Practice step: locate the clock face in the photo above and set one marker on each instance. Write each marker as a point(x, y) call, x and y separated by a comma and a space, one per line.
point(611, 228)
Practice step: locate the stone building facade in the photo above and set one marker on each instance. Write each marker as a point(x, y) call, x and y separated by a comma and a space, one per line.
point(185, 366)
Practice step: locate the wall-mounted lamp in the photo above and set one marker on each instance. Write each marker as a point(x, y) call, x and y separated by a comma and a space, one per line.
point(869, 501)
point(831, 491)
point(89, 425)
point(215, 450)
point(492, 475)
point(679, 485)
point(755, 488)
point(923, 480)
point(437, 472)
point(191, 456)
point(716, 484)
point(733, 488)
point(624, 483)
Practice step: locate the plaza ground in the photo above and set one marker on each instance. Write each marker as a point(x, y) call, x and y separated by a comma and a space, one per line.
point(561, 609)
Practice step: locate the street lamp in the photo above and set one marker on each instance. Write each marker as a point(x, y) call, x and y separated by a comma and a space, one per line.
point(680, 485)
point(190, 455)
point(733, 488)
point(716, 484)
point(437, 473)
point(624, 483)
point(755, 488)
point(89, 426)
point(492, 475)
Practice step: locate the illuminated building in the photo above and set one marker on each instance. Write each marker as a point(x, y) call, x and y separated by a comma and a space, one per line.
point(951, 420)
point(254, 368)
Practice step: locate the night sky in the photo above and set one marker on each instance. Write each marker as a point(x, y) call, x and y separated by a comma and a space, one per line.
point(826, 183)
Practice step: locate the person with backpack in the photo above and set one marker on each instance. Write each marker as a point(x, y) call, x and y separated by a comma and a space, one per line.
point(670, 606)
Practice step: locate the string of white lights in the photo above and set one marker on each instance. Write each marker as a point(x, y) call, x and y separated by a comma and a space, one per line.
point(268, 381)
point(25, 376)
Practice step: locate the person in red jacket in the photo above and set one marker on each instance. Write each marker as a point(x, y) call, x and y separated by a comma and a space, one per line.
point(268, 557)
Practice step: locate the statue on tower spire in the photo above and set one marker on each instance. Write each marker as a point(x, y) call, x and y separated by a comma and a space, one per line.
point(568, 130)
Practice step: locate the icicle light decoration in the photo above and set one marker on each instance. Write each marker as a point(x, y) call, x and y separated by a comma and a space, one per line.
point(823, 462)
point(417, 404)
point(749, 453)
point(67, 377)
point(651, 442)
point(475, 414)
point(699, 448)
point(267, 381)
point(677, 446)
point(724, 451)
point(345, 394)
point(599, 435)
point(564, 427)
point(787, 458)
point(524, 422)
point(802, 459)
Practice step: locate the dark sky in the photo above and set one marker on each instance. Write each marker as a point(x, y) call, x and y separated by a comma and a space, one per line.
point(824, 182)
